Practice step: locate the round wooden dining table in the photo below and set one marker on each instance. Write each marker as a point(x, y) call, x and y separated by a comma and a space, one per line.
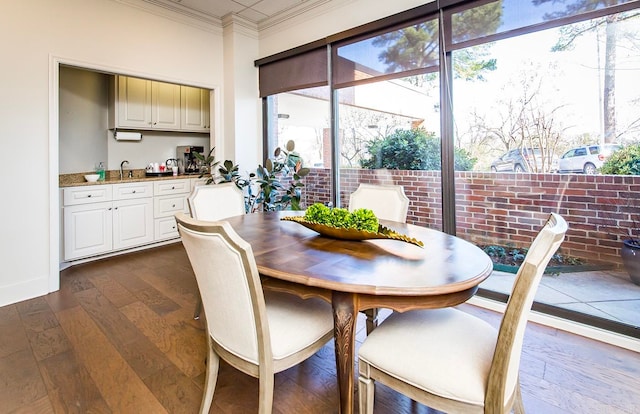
point(360, 275)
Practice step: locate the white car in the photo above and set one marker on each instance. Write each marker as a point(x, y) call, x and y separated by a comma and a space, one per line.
point(586, 159)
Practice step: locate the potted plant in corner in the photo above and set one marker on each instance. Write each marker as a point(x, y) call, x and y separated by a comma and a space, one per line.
point(630, 250)
point(623, 224)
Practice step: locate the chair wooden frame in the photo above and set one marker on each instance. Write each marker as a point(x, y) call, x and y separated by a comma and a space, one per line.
point(214, 202)
point(388, 202)
point(261, 365)
point(502, 393)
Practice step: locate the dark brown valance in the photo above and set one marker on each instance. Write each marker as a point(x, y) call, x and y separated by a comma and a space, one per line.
point(301, 71)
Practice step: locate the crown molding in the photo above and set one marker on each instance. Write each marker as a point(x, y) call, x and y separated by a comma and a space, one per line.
point(303, 8)
point(240, 25)
point(178, 13)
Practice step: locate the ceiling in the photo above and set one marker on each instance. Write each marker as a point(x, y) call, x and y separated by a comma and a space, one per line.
point(255, 11)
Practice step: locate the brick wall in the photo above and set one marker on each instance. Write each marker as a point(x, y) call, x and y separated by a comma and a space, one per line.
point(509, 209)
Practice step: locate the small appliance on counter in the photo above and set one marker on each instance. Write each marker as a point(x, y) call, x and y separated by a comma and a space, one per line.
point(190, 163)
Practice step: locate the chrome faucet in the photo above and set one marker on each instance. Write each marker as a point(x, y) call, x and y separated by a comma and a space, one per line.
point(122, 168)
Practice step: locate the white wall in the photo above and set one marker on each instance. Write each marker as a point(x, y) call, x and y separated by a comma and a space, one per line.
point(92, 33)
point(83, 119)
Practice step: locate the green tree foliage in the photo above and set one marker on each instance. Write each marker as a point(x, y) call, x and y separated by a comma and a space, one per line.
point(417, 46)
point(414, 149)
point(623, 162)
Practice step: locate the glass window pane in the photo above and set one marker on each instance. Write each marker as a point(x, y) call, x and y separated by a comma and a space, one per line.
point(303, 117)
point(531, 123)
point(414, 47)
point(389, 134)
point(501, 16)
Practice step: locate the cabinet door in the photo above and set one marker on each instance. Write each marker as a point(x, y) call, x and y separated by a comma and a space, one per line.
point(166, 228)
point(194, 109)
point(87, 230)
point(134, 103)
point(132, 222)
point(165, 104)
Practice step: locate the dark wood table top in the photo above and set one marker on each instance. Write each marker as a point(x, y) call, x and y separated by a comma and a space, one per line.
point(289, 251)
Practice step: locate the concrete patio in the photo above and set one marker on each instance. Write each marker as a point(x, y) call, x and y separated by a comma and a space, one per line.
point(608, 294)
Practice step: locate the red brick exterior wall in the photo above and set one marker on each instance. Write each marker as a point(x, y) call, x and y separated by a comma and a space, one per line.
point(508, 209)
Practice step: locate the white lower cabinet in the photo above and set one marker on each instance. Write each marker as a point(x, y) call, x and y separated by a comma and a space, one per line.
point(103, 218)
point(170, 198)
point(132, 223)
point(87, 230)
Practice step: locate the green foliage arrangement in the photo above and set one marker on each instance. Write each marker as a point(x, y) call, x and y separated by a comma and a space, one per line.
point(275, 186)
point(361, 219)
point(414, 149)
point(625, 161)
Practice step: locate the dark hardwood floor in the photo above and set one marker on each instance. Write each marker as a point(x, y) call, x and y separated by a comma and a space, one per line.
point(119, 337)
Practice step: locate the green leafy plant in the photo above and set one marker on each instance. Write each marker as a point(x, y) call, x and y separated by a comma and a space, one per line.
point(209, 163)
point(361, 219)
point(625, 161)
point(414, 149)
point(275, 186)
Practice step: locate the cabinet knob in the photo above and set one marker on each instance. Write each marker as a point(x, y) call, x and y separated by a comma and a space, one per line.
point(109, 209)
point(134, 191)
point(89, 196)
point(174, 206)
point(173, 187)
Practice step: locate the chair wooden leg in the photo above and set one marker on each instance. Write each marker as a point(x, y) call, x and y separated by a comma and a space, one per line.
point(372, 319)
point(266, 394)
point(366, 389)
point(518, 406)
point(213, 363)
point(198, 309)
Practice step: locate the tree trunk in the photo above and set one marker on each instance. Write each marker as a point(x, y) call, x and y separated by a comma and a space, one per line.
point(610, 80)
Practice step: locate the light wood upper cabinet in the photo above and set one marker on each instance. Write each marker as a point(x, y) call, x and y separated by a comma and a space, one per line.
point(195, 109)
point(132, 103)
point(165, 106)
point(143, 104)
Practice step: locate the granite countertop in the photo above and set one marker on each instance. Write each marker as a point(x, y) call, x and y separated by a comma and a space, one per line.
point(113, 177)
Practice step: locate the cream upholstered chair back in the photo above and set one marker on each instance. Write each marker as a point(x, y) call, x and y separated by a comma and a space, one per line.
point(505, 366)
point(388, 202)
point(229, 285)
point(216, 202)
point(259, 333)
point(453, 361)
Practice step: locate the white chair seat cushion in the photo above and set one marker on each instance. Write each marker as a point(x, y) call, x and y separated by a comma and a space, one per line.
point(445, 352)
point(295, 323)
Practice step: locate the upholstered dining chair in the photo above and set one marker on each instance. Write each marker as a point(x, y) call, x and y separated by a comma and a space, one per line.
point(215, 202)
point(388, 202)
point(259, 333)
point(452, 361)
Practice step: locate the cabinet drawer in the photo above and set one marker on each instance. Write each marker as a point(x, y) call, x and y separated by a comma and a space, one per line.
point(168, 206)
point(132, 190)
point(168, 187)
point(86, 194)
point(166, 228)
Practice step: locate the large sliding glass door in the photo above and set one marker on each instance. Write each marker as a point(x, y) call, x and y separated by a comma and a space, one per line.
point(491, 114)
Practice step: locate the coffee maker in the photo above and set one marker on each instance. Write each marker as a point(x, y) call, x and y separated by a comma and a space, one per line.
point(185, 155)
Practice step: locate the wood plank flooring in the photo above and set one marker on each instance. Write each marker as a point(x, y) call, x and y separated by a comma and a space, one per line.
point(119, 338)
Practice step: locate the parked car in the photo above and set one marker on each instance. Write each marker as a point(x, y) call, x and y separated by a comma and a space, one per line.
point(524, 160)
point(586, 159)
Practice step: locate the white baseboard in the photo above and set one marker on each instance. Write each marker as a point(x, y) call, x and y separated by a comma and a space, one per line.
point(24, 290)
